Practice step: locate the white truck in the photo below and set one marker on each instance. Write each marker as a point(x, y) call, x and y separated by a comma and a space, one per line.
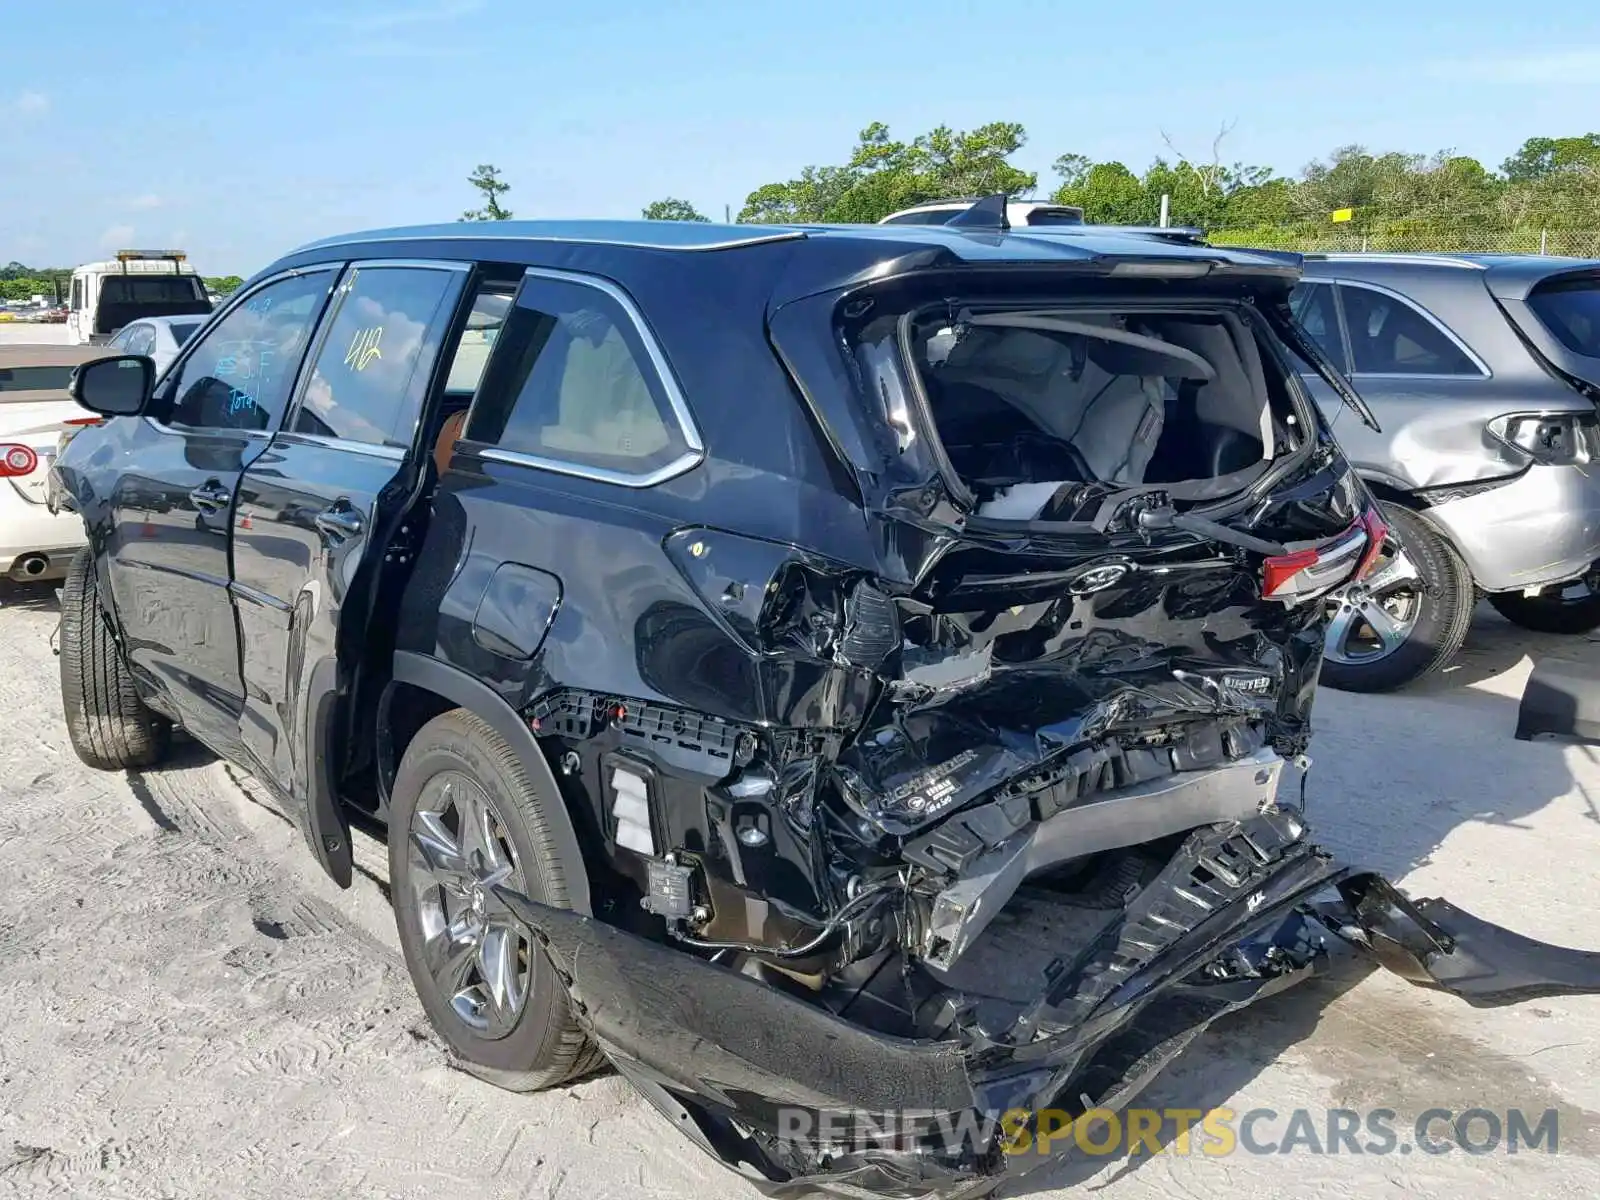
point(137, 283)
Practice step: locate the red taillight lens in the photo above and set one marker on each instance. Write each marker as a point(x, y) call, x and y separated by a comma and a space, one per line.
point(1377, 534)
point(83, 420)
point(1281, 570)
point(1312, 571)
point(17, 460)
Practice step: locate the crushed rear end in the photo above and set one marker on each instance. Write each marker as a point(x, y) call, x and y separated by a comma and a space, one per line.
point(1012, 828)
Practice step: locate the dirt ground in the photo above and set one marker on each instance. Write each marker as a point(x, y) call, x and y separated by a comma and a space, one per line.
point(191, 1010)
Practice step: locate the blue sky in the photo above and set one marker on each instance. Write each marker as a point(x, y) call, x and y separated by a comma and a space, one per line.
point(239, 131)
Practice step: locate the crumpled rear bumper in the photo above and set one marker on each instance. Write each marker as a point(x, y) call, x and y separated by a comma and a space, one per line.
point(802, 1102)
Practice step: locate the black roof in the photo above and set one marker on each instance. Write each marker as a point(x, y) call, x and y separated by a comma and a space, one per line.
point(1062, 243)
point(794, 260)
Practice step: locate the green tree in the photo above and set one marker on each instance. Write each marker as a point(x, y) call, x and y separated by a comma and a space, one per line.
point(488, 181)
point(883, 174)
point(1073, 169)
point(1354, 178)
point(1543, 156)
point(223, 285)
point(20, 282)
point(672, 209)
point(1108, 193)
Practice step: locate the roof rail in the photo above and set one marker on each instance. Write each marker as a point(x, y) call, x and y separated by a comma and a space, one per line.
point(1396, 256)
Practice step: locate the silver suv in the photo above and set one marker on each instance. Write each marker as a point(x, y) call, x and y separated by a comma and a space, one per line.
point(1483, 372)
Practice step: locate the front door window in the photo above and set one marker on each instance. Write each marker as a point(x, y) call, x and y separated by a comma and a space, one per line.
point(240, 374)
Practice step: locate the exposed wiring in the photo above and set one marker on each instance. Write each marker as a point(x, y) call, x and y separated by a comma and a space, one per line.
point(857, 903)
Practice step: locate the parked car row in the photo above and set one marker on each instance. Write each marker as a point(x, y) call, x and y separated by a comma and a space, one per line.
point(819, 671)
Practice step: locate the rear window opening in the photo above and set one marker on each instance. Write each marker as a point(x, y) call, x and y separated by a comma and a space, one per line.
point(126, 298)
point(150, 289)
point(1043, 411)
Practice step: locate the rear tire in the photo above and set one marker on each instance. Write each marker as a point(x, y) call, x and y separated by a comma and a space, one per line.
point(1439, 621)
point(454, 766)
point(109, 726)
point(1550, 614)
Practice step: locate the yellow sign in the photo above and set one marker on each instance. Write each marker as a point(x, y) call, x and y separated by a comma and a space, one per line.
point(364, 348)
point(1343, 214)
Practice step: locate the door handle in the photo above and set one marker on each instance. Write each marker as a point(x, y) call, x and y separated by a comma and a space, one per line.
point(340, 521)
point(210, 494)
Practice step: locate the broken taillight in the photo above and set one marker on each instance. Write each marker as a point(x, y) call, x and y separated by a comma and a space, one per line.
point(1377, 534)
point(17, 460)
point(1312, 571)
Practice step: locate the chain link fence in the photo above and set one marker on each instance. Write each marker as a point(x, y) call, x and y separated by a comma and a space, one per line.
point(1568, 243)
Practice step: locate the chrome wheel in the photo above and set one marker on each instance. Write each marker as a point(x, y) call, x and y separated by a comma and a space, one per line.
point(478, 954)
point(1372, 619)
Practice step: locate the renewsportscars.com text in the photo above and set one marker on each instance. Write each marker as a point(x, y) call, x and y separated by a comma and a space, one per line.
point(1214, 1132)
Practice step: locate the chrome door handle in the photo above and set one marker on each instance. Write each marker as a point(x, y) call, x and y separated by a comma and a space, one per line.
point(339, 522)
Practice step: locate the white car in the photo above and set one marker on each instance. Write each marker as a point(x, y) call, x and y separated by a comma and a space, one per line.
point(1018, 213)
point(159, 338)
point(34, 410)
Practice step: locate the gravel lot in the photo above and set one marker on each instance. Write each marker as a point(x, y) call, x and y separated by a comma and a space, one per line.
point(192, 1010)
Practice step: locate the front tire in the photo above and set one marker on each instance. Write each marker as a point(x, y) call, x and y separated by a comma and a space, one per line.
point(464, 817)
point(110, 727)
point(1407, 618)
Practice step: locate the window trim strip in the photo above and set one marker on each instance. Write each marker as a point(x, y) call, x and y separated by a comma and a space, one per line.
point(695, 451)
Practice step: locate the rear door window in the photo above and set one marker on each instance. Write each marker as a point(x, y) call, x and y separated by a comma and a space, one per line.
point(484, 322)
point(1055, 216)
point(577, 384)
point(150, 289)
point(141, 340)
point(1571, 312)
point(239, 375)
point(1391, 336)
point(1314, 308)
point(373, 366)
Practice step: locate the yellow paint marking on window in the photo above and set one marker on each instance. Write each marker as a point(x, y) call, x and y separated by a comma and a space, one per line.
point(364, 348)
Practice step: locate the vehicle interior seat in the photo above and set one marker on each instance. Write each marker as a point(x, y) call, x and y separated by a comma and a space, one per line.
point(449, 434)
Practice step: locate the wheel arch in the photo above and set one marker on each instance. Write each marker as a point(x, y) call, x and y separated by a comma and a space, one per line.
point(1388, 492)
point(422, 687)
point(1384, 489)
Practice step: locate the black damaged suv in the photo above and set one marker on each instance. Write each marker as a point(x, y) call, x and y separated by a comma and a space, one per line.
point(841, 676)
